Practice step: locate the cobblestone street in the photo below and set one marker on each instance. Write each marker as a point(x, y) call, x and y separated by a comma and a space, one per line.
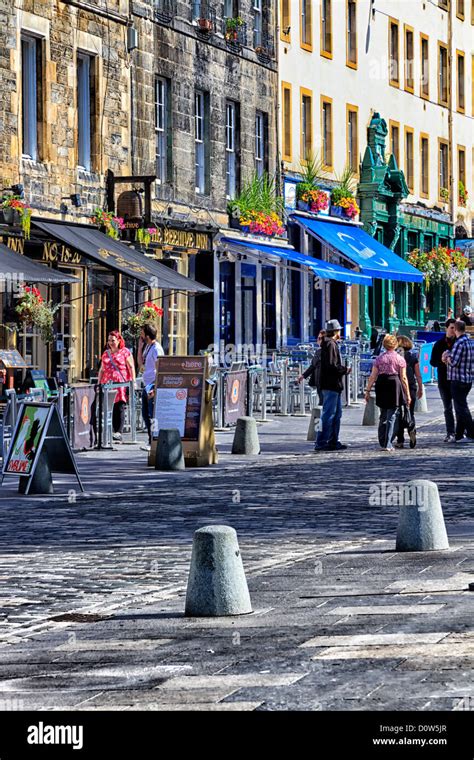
point(92, 587)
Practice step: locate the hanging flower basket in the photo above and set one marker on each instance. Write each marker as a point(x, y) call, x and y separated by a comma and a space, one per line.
point(149, 314)
point(15, 211)
point(442, 264)
point(33, 310)
point(112, 225)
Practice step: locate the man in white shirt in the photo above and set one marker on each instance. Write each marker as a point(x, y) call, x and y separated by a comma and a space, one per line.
point(148, 352)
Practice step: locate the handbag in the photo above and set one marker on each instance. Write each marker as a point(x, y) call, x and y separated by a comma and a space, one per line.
point(407, 420)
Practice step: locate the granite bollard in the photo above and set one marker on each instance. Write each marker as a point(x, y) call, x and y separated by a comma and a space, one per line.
point(169, 451)
point(370, 412)
point(216, 584)
point(421, 522)
point(246, 437)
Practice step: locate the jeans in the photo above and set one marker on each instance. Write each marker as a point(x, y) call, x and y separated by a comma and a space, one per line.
point(447, 399)
point(118, 416)
point(328, 435)
point(147, 412)
point(460, 392)
point(388, 424)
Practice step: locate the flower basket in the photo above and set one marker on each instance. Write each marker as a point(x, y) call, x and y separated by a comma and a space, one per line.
point(205, 24)
point(148, 315)
point(441, 264)
point(18, 213)
point(31, 309)
point(110, 224)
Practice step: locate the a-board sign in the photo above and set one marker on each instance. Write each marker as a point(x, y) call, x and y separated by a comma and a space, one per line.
point(179, 394)
point(12, 359)
point(39, 427)
point(183, 400)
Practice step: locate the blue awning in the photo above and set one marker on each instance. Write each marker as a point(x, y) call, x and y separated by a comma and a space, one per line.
point(372, 257)
point(322, 269)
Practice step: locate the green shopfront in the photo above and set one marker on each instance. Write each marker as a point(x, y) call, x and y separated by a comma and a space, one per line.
point(402, 227)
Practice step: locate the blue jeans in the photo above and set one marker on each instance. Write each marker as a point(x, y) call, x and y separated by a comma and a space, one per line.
point(147, 411)
point(447, 399)
point(388, 425)
point(328, 435)
point(464, 423)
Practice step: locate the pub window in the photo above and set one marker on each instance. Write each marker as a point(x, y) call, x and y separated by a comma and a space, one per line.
point(409, 158)
point(306, 124)
point(201, 141)
point(352, 139)
point(461, 81)
point(326, 28)
point(442, 74)
point(425, 165)
point(326, 119)
point(409, 59)
point(351, 40)
point(425, 68)
point(260, 143)
point(232, 142)
point(395, 140)
point(394, 53)
point(31, 78)
point(443, 183)
point(286, 122)
point(306, 25)
point(162, 129)
point(85, 110)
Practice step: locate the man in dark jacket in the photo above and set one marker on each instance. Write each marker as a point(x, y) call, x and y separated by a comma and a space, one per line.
point(444, 385)
point(332, 372)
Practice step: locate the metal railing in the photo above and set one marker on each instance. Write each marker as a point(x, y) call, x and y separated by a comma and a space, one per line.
point(164, 11)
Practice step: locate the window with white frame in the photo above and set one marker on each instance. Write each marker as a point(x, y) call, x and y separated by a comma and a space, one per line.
point(84, 110)
point(257, 23)
point(231, 139)
point(260, 143)
point(200, 141)
point(161, 129)
point(31, 77)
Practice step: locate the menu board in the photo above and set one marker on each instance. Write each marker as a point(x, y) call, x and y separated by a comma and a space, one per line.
point(11, 359)
point(179, 394)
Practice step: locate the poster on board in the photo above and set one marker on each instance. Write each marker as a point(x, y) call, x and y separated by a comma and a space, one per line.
point(25, 443)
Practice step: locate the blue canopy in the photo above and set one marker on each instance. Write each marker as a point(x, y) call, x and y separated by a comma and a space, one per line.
point(322, 269)
point(372, 257)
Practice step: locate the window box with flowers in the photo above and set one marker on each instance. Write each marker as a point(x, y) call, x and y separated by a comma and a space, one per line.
point(112, 225)
point(311, 198)
point(258, 209)
point(16, 211)
point(343, 204)
point(149, 314)
point(442, 264)
point(462, 194)
point(232, 28)
point(33, 310)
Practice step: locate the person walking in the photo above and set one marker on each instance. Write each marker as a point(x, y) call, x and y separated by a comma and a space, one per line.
point(444, 385)
point(148, 352)
point(415, 384)
point(117, 367)
point(460, 363)
point(391, 390)
point(332, 372)
point(313, 372)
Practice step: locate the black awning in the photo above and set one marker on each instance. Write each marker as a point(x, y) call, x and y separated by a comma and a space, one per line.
point(26, 270)
point(116, 255)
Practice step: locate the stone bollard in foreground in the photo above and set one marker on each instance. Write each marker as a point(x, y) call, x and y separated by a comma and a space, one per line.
point(216, 584)
point(315, 416)
point(421, 405)
point(169, 451)
point(246, 437)
point(421, 523)
point(370, 413)
point(42, 481)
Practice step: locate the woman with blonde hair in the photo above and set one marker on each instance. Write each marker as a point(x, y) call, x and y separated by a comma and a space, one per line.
point(391, 390)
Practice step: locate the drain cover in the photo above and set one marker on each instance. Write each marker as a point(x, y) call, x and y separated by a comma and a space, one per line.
point(78, 617)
